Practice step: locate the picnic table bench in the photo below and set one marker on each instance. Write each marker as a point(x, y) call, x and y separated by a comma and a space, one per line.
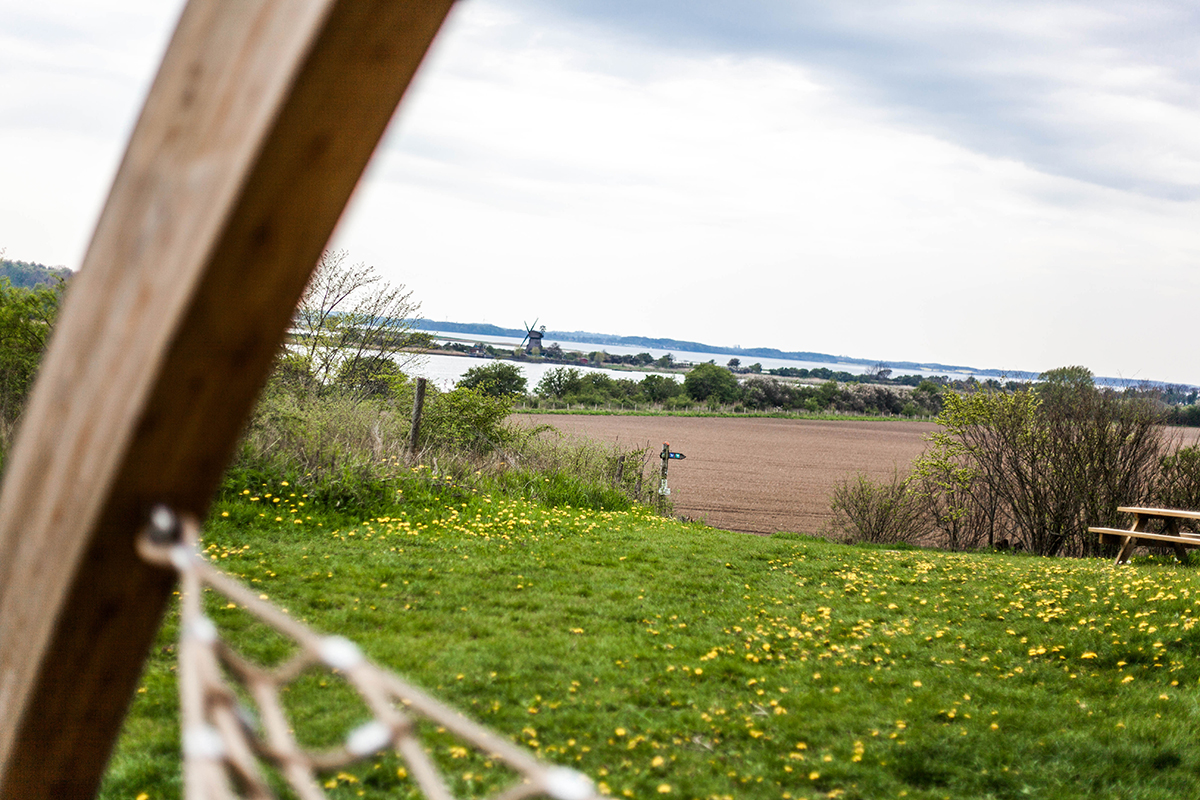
point(1180, 540)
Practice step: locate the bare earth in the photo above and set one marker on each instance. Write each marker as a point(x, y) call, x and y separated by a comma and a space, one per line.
point(757, 475)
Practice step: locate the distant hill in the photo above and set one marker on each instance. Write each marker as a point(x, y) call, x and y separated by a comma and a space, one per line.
point(28, 275)
point(743, 353)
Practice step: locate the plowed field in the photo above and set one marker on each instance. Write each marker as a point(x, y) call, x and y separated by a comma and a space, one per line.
point(757, 475)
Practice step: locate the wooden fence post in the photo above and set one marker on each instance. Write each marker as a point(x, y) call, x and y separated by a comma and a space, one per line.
point(663, 489)
point(418, 408)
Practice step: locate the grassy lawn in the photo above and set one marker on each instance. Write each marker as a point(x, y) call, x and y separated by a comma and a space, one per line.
point(672, 660)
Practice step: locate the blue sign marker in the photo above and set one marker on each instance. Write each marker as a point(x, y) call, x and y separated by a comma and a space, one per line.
point(676, 455)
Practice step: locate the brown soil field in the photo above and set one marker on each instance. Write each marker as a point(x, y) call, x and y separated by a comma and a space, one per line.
point(758, 475)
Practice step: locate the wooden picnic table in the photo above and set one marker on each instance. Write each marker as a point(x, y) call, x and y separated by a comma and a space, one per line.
point(1172, 518)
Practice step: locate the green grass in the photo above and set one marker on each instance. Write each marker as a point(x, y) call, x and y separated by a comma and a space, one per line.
point(675, 660)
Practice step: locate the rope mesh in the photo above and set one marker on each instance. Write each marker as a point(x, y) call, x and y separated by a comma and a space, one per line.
point(224, 752)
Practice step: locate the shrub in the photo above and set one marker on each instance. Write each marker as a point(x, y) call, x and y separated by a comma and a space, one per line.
point(710, 382)
point(1178, 484)
point(1044, 462)
point(499, 379)
point(881, 513)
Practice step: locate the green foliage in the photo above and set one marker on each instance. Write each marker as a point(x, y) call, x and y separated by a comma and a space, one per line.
point(498, 379)
point(1041, 464)
point(29, 275)
point(26, 319)
point(465, 420)
point(369, 376)
point(659, 388)
point(560, 382)
point(708, 381)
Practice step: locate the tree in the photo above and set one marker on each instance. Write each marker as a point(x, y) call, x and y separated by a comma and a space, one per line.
point(350, 321)
point(1044, 463)
point(26, 319)
point(734, 363)
point(495, 380)
point(560, 382)
point(707, 381)
point(658, 388)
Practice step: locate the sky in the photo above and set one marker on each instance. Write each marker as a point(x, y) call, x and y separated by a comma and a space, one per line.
point(1011, 185)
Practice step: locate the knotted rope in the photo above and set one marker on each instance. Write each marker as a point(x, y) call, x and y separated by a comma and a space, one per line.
point(223, 752)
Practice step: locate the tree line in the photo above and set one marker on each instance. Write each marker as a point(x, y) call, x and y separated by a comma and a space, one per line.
point(704, 386)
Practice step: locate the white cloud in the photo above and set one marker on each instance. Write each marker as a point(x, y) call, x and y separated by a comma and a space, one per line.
point(927, 181)
point(73, 75)
point(741, 200)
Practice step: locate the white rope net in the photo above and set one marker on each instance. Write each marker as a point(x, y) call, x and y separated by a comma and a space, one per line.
point(224, 753)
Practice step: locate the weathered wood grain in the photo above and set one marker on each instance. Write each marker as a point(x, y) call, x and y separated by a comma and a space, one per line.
point(253, 136)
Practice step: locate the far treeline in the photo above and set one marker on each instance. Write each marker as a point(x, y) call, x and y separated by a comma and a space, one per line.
point(715, 388)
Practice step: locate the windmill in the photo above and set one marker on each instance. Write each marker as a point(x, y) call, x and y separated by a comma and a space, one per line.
point(533, 338)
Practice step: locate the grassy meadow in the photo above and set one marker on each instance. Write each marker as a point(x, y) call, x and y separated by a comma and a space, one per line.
point(673, 660)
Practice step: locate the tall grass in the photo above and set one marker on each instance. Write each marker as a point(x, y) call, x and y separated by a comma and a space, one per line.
point(349, 451)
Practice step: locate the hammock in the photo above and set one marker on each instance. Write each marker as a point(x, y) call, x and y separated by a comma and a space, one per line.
point(224, 751)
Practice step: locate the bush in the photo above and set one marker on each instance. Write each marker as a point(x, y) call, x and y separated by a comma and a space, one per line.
point(881, 513)
point(26, 319)
point(560, 382)
point(710, 382)
point(1178, 484)
point(499, 379)
point(1042, 463)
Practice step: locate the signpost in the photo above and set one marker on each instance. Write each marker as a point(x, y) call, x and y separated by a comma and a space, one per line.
point(663, 489)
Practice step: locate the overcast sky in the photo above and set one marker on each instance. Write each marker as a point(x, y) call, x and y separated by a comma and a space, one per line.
point(997, 184)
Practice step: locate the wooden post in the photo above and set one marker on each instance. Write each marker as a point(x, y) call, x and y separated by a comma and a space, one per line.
point(663, 489)
point(418, 406)
point(255, 132)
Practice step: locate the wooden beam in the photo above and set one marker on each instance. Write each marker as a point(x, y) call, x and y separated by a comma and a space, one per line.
point(256, 130)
